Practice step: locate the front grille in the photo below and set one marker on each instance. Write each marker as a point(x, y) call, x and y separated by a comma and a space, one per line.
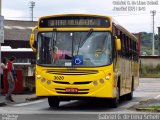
point(60, 82)
point(72, 72)
point(73, 83)
point(87, 82)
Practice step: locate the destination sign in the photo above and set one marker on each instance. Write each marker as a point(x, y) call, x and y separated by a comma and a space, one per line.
point(74, 21)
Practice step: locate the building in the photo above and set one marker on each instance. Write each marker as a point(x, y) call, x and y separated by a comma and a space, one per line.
point(16, 37)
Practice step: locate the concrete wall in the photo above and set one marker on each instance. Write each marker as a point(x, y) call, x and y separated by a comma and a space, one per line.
point(150, 60)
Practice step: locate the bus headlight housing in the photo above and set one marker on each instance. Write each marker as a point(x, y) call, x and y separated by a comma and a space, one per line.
point(43, 80)
point(38, 76)
point(101, 81)
point(95, 83)
point(48, 82)
point(107, 77)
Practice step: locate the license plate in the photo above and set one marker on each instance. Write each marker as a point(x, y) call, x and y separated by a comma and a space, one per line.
point(72, 90)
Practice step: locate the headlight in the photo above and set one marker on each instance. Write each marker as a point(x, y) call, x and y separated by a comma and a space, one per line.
point(38, 76)
point(43, 80)
point(48, 82)
point(101, 81)
point(107, 77)
point(95, 83)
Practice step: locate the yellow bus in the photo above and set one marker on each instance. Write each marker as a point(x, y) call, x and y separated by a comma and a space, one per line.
point(81, 56)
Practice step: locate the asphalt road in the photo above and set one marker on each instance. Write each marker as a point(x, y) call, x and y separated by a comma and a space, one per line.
point(80, 110)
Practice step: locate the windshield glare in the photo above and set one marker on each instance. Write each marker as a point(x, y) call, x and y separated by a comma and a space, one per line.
point(68, 49)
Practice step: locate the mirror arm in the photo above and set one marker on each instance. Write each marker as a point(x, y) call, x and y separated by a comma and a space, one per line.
point(32, 37)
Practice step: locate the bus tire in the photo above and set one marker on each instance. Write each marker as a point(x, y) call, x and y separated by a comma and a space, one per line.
point(53, 102)
point(129, 96)
point(115, 101)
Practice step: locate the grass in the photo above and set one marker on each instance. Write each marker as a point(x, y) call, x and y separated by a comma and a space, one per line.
point(149, 75)
point(148, 71)
point(149, 109)
point(154, 107)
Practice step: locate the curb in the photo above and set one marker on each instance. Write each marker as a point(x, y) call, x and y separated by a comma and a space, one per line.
point(2, 100)
point(2, 104)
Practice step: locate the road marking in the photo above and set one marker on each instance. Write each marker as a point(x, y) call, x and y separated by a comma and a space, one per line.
point(29, 103)
point(157, 97)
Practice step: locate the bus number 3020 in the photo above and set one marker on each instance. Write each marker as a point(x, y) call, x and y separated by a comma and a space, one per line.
point(58, 77)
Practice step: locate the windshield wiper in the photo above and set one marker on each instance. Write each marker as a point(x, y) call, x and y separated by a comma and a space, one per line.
point(84, 40)
point(53, 38)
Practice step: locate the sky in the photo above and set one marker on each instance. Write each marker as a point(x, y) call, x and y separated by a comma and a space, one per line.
point(134, 15)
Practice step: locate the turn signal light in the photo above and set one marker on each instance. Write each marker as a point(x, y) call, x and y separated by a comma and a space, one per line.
point(109, 74)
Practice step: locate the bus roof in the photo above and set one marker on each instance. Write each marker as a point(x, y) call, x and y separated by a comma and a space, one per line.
point(115, 23)
point(58, 15)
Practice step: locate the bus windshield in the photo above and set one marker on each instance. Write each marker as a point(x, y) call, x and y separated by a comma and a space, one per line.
point(74, 49)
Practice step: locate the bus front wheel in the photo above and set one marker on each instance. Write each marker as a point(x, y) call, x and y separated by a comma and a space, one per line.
point(53, 102)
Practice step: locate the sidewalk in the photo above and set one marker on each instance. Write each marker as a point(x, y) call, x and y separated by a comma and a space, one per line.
point(20, 98)
point(2, 100)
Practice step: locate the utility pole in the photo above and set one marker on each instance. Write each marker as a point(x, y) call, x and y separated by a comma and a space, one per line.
point(0, 49)
point(1, 41)
point(153, 13)
point(159, 41)
point(0, 6)
point(32, 5)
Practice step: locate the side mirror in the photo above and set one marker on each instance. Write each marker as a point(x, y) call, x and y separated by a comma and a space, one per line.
point(118, 44)
point(32, 38)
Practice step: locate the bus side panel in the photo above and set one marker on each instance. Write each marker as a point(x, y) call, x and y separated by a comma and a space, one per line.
point(136, 75)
